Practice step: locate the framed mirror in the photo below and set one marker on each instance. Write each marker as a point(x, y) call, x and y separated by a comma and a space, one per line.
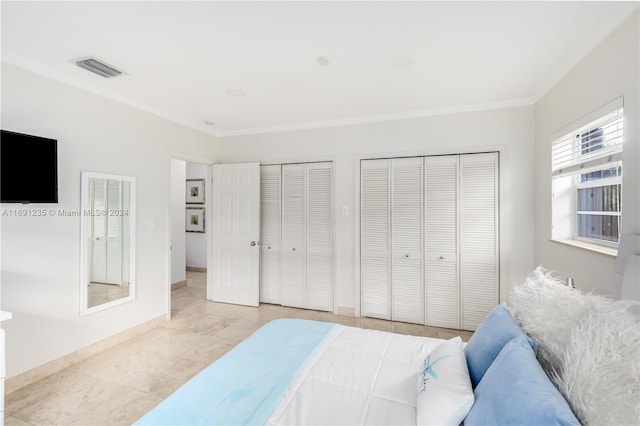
point(107, 247)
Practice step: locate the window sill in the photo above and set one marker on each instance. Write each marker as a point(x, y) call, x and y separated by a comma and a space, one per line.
point(609, 251)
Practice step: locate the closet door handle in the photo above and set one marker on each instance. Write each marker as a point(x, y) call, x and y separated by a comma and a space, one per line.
point(252, 243)
point(441, 258)
point(406, 255)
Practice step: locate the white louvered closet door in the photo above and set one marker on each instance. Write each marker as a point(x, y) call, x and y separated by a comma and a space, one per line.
point(320, 236)
point(270, 233)
point(98, 231)
point(106, 232)
point(375, 265)
point(114, 232)
point(407, 296)
point(294, 287)
point(478, 237)
point(441, 241)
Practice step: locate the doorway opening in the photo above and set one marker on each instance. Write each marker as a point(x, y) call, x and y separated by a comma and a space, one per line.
point(188, 250)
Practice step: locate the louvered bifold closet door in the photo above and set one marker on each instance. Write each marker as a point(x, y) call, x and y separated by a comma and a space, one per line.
point(114, 232)
point(478, 237)
point(270, 233)
point(98, 231)
point(407, 297)
point(374, 239)
point(294, 288)
point(320, 236)
point(441, 241)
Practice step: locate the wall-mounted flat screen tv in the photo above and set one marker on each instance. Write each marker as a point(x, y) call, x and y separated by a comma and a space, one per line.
point(28, 168)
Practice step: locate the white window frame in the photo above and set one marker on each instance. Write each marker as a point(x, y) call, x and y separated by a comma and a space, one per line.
point(593, 184)
point(569, 163)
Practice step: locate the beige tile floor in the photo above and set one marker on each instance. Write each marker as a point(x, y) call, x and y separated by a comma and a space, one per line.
point(121, 384)
point(102, 293)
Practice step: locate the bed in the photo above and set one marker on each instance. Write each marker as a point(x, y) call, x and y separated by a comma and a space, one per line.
point(361, 376)
point(301, 372)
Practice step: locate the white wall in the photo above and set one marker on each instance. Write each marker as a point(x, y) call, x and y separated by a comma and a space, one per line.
point(178, 240)
point(40, 255)
point(609, 71)
point(196, 243)
point(510, 130)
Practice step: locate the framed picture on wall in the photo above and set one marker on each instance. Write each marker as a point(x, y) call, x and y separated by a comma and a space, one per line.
point(195, 191)
point(195, 219)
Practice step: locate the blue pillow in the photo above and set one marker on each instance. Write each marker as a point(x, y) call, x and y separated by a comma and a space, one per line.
point(485, 344)
point(516, 391)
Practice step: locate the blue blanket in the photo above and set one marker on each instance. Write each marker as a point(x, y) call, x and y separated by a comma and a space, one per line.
point(246, 384)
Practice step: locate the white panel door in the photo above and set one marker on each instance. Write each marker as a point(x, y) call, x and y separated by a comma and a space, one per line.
point(407, 296)
point(270, 233)
point(320, 236)
point(441, 241)
point(375, 265)
point(235, 231)
point(294, 228)
point(478, 237)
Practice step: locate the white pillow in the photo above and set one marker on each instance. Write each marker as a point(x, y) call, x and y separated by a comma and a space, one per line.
point(445, 395)
point(600, 371)
point(587, 344)
point(547, 311)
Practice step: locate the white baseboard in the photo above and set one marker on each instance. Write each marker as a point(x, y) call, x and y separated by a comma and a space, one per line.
point(178, 285)
point(12, 384)
point(347, 312)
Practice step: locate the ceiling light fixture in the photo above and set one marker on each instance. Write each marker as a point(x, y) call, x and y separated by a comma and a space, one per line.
point(98, 67)
point(403, 62)
point(235, 93)
point(322, 61)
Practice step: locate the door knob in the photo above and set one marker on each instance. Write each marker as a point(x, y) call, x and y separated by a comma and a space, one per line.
point(253, 243)
point(441, 258)
point(406, 255)
point(269, 247)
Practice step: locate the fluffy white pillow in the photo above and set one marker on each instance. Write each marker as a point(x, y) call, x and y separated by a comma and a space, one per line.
point(600, 370)
point(445, 395)
point(547, 311)
point(588, 345)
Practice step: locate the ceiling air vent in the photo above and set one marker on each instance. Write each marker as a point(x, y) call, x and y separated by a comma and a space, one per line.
point(98, 67)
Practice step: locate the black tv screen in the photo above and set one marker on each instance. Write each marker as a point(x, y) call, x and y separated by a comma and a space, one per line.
point(28, 168)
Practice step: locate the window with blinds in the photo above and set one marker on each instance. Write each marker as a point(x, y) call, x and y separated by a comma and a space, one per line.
point(587, 181)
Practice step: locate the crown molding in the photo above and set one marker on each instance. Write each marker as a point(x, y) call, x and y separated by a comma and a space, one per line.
point(38, 68)
point(509, 103)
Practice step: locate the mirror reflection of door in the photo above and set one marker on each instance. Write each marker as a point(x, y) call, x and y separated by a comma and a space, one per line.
point(109, 246)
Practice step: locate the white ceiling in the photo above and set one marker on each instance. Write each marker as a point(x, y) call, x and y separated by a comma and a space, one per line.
point(181, 58)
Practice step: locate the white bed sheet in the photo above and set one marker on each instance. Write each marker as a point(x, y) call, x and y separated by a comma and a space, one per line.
point(357, 377)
